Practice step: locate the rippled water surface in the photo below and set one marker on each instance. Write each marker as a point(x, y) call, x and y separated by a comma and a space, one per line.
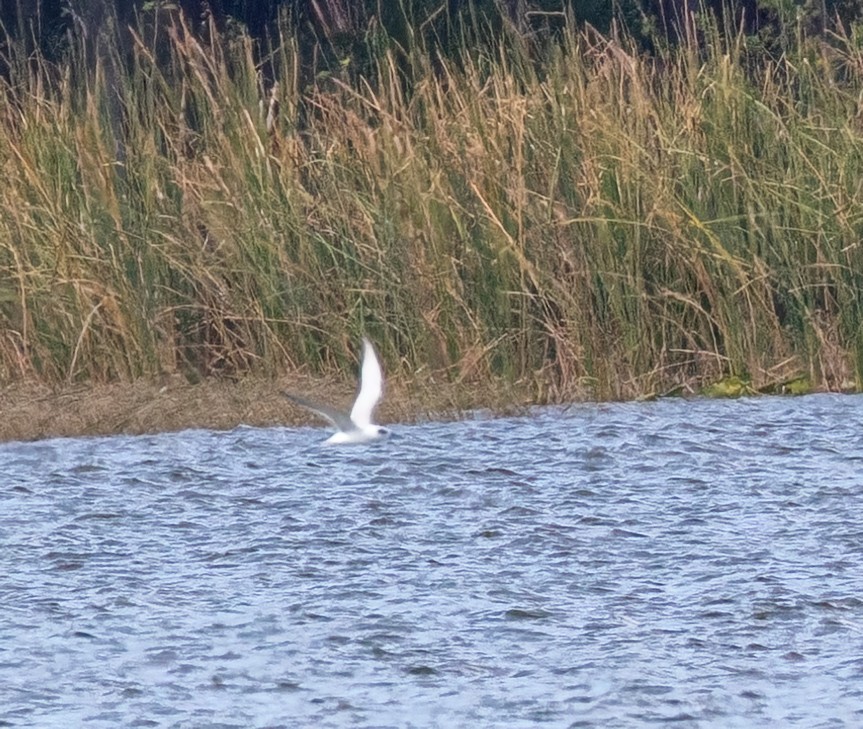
point(696, 563)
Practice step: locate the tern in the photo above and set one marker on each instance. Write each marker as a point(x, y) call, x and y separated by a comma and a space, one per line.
point(356, 426)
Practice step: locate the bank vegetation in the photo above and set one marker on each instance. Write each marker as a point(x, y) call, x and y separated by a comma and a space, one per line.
point(576, 215)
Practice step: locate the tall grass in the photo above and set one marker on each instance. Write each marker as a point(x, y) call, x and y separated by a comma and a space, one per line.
point(590, 221)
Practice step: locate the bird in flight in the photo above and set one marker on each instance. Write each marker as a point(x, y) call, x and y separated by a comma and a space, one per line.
point(356, 426)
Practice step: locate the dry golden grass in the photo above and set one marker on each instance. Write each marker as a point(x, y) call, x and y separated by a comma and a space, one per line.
point(593, 222)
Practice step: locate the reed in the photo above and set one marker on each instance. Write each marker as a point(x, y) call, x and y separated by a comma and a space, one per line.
point(583, 220)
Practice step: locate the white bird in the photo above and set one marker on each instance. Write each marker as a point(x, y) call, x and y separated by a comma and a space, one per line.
point(356, 427)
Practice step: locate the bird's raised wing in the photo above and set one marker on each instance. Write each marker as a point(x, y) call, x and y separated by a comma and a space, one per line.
point(341, 420)
point(371, 387)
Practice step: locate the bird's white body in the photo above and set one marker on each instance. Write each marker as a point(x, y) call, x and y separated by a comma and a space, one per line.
point(356, 427)
point(358, 435)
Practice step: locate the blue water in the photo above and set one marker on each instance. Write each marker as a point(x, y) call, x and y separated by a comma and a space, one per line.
point(695, 563)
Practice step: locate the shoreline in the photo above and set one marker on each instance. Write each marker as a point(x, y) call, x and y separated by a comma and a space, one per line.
point(32, 411)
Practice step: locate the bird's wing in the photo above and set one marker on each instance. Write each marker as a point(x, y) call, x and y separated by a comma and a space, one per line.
point(371, 386)
point(341, 420)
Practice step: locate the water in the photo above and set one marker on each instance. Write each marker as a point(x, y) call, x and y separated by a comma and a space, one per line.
point(695, 563)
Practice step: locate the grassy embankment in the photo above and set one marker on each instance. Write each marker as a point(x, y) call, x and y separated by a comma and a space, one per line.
point(595, 224)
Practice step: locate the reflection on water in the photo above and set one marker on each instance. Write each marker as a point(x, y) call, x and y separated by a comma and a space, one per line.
point(597, 566)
